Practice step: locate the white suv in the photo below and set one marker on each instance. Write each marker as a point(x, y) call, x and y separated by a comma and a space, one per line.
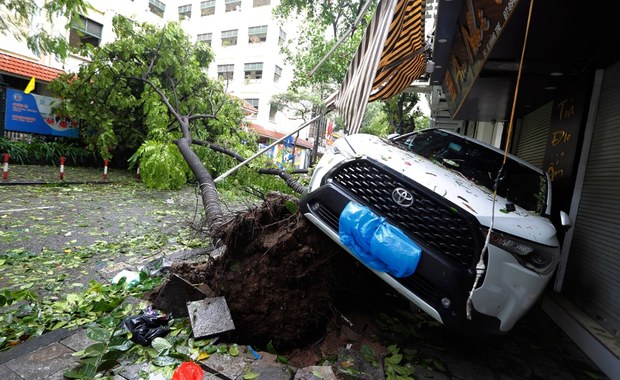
point(417, 210)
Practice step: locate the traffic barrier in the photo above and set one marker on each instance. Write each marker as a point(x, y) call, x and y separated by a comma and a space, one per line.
point(105, 170)
point(62, 168)
point(5, 171)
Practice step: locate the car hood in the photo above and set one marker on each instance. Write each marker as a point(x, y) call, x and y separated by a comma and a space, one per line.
point(474, 199)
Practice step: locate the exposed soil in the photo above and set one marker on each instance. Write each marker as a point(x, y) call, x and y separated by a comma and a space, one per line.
point(286, 283)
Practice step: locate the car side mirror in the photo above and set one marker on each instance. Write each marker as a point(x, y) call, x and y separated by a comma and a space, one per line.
point(565, 221)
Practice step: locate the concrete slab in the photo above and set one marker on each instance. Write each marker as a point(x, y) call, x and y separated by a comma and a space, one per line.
point(175, 294)
point(34, 344)
point(43, 362)
point(209, 316)
point(77, 341)
point(7, 374)
point(352, 366)
point(268, 370)
point(315, 373)
point(229, 366)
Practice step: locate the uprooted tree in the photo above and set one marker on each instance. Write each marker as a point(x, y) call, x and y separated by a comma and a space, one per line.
point(275, 273)
point(147, 92)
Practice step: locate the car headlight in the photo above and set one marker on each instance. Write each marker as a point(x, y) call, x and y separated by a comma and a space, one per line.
point(540, 258)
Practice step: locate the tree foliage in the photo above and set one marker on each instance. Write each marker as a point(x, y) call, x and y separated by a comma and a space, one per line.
point(322, 23)
point(29, 20)
point(118, 94)
point(402, 113)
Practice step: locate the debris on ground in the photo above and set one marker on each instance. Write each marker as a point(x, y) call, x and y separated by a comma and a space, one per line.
point(209, 317)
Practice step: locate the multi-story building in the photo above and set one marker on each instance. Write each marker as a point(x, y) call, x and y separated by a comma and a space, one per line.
point(244, 36)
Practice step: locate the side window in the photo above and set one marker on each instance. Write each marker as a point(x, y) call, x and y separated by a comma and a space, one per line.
point(229, 37)
point(257, 34)
point(85, 31)
point(185, 12)
point(157, 7)
point(253, 70)
point(207, 8)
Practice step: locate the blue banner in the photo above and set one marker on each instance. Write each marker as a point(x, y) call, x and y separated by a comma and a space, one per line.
point(33, 114)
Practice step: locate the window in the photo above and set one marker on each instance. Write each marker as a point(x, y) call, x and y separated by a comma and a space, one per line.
point(261, 3)
point(207, 8)
point(229, 37)
point(85, 31)
point(257, 34)
point(253, 102)
point(282, 38)
point(253, 70)
point(273, 109)
point(205, 38)
point(232, 5)
point(157, 7)
point(277, 74)
point(225, 71)
point(185, 12)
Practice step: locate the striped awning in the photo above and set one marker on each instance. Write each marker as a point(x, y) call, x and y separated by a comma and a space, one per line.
point(389, 58)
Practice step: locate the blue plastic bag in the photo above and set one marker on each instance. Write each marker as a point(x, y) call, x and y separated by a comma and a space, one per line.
point(377, 243)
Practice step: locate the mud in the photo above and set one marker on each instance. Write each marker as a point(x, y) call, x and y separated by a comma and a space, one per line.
point(289, 285)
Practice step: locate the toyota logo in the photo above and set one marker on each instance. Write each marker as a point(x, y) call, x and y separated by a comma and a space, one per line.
point(402, 197)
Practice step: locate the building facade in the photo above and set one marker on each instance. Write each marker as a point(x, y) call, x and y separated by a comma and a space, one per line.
point(243, 35)
point(542, 80)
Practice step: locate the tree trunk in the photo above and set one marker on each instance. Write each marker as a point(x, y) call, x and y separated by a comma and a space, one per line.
point(210, 196)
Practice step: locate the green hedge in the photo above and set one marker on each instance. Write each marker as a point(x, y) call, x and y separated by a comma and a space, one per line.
point(45, 152)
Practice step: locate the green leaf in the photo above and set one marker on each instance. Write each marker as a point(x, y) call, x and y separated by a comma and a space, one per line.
point(394, 359)
point(83, 371)
point(107, 365)
point(291, 207)
point(98, 334)
point(94, 350)
point(251, 375)
point(161, 344)
point(233, 350)
point(164, 361)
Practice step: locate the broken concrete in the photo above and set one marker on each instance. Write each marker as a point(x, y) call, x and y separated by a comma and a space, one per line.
point(315, 373)
point(209, 316)
point(175, 294)
point(352, 366)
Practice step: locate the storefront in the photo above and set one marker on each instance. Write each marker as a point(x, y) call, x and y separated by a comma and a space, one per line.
point(550, 75)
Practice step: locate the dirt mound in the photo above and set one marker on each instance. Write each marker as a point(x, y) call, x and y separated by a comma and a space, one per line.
point(277, 275)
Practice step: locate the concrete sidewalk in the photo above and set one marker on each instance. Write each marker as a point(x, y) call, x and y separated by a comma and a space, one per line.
point(535, 349)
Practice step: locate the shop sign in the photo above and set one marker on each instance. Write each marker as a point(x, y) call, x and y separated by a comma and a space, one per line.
point(479, 28)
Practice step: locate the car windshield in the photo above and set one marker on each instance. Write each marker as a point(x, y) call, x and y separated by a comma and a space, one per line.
point(519, 184)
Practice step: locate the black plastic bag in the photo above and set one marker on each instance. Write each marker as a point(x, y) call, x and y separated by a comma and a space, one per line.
point(147, 326)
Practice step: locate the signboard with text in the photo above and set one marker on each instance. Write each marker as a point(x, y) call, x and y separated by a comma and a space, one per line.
point(480, 26)
point(32, 113)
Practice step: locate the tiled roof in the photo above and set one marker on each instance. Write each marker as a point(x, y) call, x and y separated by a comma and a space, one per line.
point(277, 135)
point(27, 69)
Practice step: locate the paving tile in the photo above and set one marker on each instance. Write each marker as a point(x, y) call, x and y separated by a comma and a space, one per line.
point(315, 373)
point(7, 374)
point(43, 362)
point(267, 370)
point(77, 341)
point(229, 366)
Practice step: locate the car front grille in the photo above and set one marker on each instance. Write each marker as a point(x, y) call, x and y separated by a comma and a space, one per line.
point(432, 220)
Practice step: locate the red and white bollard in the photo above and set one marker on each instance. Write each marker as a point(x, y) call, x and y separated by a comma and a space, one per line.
point(62, 168)
point(5, 171)
point(105, 170)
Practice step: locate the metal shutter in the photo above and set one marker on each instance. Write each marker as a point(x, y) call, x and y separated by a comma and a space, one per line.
point(592, 278)
point(532, 139)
